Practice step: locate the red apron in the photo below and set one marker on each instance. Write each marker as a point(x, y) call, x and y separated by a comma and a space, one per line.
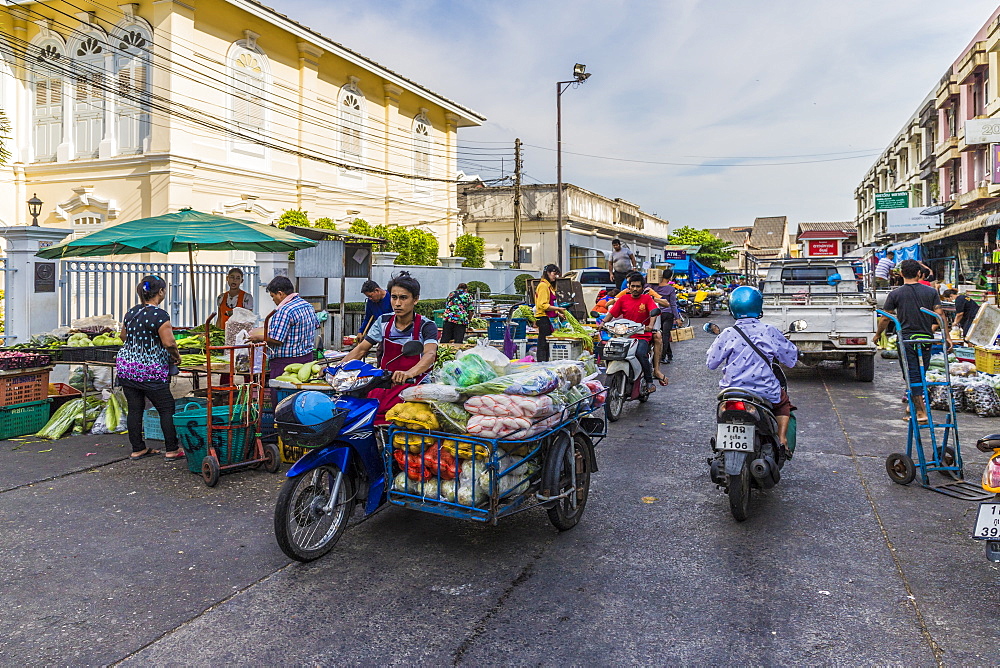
point(389, 397)
point(225, 312)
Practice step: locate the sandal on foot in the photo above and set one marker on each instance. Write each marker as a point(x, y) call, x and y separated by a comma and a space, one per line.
point(182, 455)
point(149, 453)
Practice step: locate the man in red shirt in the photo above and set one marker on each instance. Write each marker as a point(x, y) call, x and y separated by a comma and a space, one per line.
point(638, 307)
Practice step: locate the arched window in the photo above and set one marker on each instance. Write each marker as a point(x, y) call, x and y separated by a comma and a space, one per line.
point(48, 61)
point(421, 147)
point(352, 115)
point(89, 81)
point(133, 44)
point(248, 70)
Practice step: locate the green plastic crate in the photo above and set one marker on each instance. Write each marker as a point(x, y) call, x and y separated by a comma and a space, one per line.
point(23, 419)
point(192, 434)
point(439, 317)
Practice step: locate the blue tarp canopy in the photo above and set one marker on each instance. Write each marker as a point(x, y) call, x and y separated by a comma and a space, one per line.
point(700, 271)
point(680, 266)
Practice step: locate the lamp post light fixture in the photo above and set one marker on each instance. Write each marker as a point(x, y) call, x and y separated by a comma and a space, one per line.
point(451, 247)
point(500, 250)
point(34, 209)
point(580, 75)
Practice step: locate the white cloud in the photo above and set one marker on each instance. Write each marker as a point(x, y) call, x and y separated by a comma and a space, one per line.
point(672, 80)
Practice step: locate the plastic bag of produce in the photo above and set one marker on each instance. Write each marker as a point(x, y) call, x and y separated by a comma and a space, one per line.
point(412, 442)
point(412, 415)
point(452, 418)
point(596, 388)
point(991, 474)
point(428, 392)
point(412, 464)
point(982, 399)
point(81, 377)
point(470, 491)
point(570, 371)
point(471, 369)
point(84, 420)
point(512, 405)
point(441, 462)
point(939, 397)
point(491, 355)
point(517, 428)
point(465, 449)
point(534, 382)
point(962, 369)
point(448, 490)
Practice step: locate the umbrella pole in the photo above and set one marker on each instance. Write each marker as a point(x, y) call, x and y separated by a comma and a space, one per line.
point(194, 291)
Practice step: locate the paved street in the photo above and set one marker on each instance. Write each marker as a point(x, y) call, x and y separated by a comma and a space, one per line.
point(109, 561)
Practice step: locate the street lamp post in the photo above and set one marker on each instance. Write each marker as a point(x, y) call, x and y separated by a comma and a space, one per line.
point(34, 209)
point(580, 75)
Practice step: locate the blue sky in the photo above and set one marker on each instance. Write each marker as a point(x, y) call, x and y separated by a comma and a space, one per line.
point(718, 82)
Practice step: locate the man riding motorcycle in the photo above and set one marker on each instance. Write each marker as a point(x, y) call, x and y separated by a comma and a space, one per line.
point(749, 368)
point(638, 307)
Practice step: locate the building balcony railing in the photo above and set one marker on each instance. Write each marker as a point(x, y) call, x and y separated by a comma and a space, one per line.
point(945, 92)
point(974, 59)
point(946, 151)
point(974, 195)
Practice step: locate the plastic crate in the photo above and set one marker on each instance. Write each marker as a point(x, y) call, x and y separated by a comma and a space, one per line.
point(438, 316)
point(290, 453)
point(232, 445)
point(497, 325)
point(521, 347)
point(151, 428)
point(104, 353)
point(964, 353)
point(61, 393)
point(21, 388)
point(25, 360)
point(23, 419)
point(565, 350)
point(69, 354)
point(987, 361)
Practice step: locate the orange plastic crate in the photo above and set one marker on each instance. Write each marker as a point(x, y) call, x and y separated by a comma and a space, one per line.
point(24, 387)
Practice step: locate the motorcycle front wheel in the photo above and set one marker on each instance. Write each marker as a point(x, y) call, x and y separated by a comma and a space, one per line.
point(616, 396)
point(739, 494)
point(303, 527)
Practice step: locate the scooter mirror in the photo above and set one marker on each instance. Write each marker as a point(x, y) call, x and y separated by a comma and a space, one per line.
point(988, 443)
point(712, 328)
point(799, 325)
point(412, 348)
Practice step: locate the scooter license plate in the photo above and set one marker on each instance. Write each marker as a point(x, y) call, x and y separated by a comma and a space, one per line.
point(987, 522)
point(737, 437)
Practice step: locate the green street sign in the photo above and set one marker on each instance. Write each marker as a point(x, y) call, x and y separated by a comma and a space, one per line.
point(893, 200)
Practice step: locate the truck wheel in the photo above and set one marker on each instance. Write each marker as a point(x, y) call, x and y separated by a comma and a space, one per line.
point(864, 368)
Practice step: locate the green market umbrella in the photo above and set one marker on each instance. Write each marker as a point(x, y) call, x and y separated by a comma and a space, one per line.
point(186, 230)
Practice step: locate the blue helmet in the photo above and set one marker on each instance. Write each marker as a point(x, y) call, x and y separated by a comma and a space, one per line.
point(746, 302)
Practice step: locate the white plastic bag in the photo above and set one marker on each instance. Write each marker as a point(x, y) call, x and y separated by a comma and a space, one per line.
point(427, 392)
point(493, 357)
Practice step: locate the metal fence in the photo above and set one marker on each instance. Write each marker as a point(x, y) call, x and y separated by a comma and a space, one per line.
point(108, 288)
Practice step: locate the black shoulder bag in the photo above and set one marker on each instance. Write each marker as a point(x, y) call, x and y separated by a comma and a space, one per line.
point(775, 367)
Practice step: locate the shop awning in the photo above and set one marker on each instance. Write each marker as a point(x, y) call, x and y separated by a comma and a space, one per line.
point(699, 271)
point(679, 266)
point(962, 228)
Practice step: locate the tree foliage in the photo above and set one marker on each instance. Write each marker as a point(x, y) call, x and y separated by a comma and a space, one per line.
point(713, 249)
point(484, 290)
point(521, 283)
point(293, 217)
point(415, 247)
point(472, 248)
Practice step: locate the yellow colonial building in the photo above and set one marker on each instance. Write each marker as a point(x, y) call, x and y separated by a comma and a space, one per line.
point(120, 111)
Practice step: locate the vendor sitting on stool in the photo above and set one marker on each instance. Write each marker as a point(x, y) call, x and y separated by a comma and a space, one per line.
point(393, 330)
point(291, 330)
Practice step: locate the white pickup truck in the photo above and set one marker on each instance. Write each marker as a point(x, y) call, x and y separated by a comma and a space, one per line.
point(840, 316)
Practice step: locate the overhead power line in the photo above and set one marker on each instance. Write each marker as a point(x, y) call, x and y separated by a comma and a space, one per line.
point(704, 164)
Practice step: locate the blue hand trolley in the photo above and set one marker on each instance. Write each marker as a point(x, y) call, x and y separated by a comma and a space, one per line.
point(945, 454)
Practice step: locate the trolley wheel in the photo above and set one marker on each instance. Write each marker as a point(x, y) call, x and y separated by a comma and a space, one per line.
point(272, 458)
point(567, 470)
point(948, 459)
point(302, 526)
point(210, 471)
point(900, 468)
point(616, 396)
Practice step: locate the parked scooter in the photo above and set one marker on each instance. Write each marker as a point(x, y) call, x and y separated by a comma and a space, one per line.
point(988, 517)
point(624, 373)
point(747, 452)
point(344, 468)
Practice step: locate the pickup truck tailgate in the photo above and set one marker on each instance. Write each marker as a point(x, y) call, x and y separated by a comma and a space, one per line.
point(823, 321)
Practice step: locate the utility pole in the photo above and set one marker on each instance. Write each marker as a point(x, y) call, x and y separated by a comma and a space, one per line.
point(517, 203)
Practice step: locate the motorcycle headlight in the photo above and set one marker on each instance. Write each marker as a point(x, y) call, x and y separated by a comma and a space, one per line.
point(620, 329)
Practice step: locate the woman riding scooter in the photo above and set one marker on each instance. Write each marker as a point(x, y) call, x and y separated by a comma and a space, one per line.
point(391, 332)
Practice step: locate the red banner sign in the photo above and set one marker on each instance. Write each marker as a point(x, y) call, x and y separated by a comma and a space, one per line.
point(823, 248)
